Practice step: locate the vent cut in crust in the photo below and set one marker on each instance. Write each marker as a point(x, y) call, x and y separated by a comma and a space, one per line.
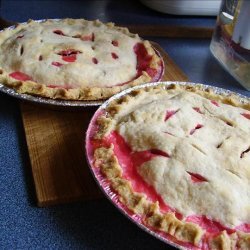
point(179, 158)
point(75, 59)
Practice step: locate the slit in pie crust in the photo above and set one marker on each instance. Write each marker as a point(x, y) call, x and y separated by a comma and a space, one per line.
point(179, 157)
point(75, 59)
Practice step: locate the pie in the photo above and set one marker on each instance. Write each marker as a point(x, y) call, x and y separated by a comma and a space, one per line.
point(178, 157)
point(75, 59)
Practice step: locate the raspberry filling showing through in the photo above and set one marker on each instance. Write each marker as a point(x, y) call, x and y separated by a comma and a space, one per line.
point(170, 113)
point(115, 43)
point(130, 161)
point(143, 64)
point(57, 64)
point(215, 103)
point(246, 115)
point(69, 55)
point(20, 76)
point(196, 177)
point(59, 32)
point(143, 61)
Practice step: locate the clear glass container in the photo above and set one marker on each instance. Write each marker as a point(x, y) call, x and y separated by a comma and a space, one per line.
point(231, 39)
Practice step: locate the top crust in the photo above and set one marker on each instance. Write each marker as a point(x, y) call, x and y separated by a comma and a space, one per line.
point(72, 59)
point(137, 112)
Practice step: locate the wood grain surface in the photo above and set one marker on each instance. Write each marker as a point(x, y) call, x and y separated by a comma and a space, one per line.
point(55, 140)
point(170, 31)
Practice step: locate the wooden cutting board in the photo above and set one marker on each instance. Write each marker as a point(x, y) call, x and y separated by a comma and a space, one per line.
point(55, 142)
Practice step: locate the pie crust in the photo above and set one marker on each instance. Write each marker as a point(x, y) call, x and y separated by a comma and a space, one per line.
point(75, 59)
point(200, 142)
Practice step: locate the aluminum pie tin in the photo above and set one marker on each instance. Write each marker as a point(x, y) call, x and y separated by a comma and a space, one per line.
point(102, 181)
point(60, 102)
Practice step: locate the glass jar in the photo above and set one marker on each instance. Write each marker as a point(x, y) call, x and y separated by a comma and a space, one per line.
point(231, 39)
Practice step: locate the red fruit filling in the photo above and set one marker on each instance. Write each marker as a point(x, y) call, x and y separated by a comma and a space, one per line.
point(20, 76)
point(114, 55)
point(139, 158)
point(211, 226)
point(59, 32)
point(196, 177)
point(215, 103)
point(244, 227)
point(115, 43)
point(197, 109)
point(21, 36)
point(57, 64)
point(69, 55)
point(151, 72)
point(246, 115)
point(198, 126)
point(170, 113)
point(143, 60)
point(130, 161)
point(94, 60)
point(71, 58)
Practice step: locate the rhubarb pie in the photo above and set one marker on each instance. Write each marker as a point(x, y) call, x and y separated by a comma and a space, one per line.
point(75, 59)
point(178, 159)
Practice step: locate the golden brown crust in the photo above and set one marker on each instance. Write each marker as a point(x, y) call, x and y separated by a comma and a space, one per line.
point(138, 203)
point(83, 93)
point(224, 241)
point(244, 241)
point(94, 93)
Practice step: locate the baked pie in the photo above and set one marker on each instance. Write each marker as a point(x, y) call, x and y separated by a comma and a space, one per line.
point(178, 157)
point(75, 59)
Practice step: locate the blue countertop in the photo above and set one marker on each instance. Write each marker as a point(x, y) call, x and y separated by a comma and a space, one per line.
point(93, 224)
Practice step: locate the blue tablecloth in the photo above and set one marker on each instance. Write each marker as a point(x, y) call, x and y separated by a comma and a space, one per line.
point(93, 224)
